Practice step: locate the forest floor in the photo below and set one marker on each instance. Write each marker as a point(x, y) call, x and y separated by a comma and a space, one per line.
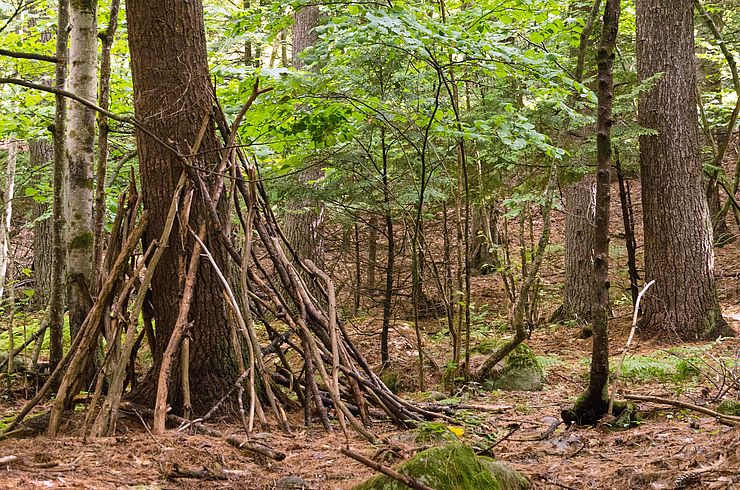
point(669, 448)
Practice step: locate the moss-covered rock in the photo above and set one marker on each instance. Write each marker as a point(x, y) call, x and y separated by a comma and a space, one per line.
point(451, 467)
point(521, 371)
point(729, 407)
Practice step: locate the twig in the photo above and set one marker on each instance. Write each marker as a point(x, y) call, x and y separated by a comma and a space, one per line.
point(147, 430)
point(627, 345)
point(385, 470)
point(247, 445)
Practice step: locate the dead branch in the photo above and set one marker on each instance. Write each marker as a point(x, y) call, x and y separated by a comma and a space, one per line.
point(405, 479)
point(725, 419)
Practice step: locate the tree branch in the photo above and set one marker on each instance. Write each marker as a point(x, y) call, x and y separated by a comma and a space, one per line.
point(28, 56)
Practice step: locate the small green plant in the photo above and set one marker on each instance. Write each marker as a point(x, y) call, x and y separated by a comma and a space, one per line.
point(427, 432)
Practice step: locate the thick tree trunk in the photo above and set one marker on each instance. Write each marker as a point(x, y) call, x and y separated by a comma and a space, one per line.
point(83, 57)
point(172, 94)
point(304, 32)
point(678, 236)
point(579, 239)
point(41, 152)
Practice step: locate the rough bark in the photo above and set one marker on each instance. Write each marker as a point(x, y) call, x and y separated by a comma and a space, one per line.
point(305, 215)
point(579, 240)
point(579, 215)
point(58, 266)
point(172, 94)
point(41, 153)
point(390, 260)
point(83, 56)
point(678, 235)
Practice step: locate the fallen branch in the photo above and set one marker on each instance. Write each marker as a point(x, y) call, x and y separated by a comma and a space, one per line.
point(7, 460)
point(385, 470)
point(725, 419)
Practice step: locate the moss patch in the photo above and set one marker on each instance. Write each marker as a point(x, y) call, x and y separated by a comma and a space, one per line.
point(729, 407)
point(521, 371)
point(451, 467)
point(81, 241)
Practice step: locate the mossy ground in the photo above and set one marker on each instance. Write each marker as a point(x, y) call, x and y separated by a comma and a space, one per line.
point(453, 466)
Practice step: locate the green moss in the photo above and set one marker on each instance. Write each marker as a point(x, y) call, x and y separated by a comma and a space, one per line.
point(81, 241)
point(521, 371)
point(390, 379)
point(587, 411)
point(729, 407)
point(451, 467)
point(486, 346)
point(626, 413)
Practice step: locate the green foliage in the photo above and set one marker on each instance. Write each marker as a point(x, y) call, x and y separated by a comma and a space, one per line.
point(729, 407)
point(427, 432)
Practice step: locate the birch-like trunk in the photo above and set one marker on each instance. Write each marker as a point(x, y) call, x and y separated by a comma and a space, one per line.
point(83, 56)
point(7, 201)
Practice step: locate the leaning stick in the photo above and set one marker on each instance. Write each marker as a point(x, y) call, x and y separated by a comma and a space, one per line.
point(627, 345)
point(106, 419)
point(89, 329)
point(405, 479)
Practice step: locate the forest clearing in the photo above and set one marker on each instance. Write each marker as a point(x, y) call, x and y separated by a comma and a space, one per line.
point(372, 245)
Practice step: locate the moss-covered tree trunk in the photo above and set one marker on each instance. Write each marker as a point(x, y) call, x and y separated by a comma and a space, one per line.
point(58, 265)
point(80, 141)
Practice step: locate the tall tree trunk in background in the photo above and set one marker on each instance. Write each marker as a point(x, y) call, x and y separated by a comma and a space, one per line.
point(41, 153)
point(678, 234)
point(107, 37)
point(6, 201)
point(712, 79)
point(172, 94)
point(83, 59)
point(305, 216)
point(58, 265)
point(579, 239)
point(372, 253)
point(579, 216)
point(390, 258)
